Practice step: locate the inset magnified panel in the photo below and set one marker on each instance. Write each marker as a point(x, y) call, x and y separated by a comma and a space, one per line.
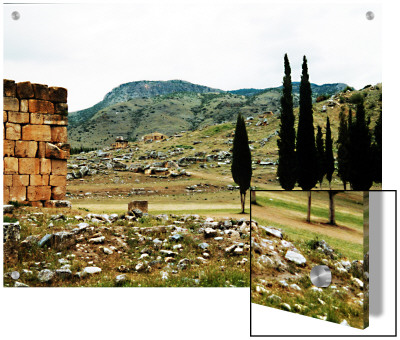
point(309, 254)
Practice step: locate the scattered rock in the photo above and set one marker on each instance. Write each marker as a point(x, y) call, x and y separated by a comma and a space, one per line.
point(120, 279)
point(295, 257)
point(90, 271)
point(45, 275)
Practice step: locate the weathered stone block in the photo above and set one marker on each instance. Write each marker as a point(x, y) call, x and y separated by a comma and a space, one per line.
point(41, 180)
point(45, 166)
point(18, 193)
point(41, 91)
point(25, 149)
point(41, 133)
point(25, 90)
point(58, 167)
point(29, 166)
point(10, 104)
point(8, 148)
point(59, 134)
point(13, 131)
point(55, 119)
point(57, 151)
point(58, 94)
point(61, 108)
point(39, 193)
point(7, 180)
point(5, 117)
point(41, 150)
point(141, 205)
point(9, 88)
point(23, 105)
point(62, 240)
point(58, 193)
point(41, 106)
point(20, 180)
point(37, 204)
point(36, 118)
point(18, 117)
point(58, 180)
point(10, 165)
point(6, 194)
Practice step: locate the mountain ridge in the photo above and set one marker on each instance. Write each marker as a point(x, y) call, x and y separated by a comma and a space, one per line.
point(150, 88)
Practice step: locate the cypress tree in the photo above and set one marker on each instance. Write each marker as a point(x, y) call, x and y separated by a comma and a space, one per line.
point(320, 156)
point(286, 171)
point(377, 150)
point(241, 159)
point(305, 147)
point(360, 169)
point(330, 161)
point(343, 153)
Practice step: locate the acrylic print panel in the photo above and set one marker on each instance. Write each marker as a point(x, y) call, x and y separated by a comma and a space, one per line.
point(157, 93)
point(285, 248)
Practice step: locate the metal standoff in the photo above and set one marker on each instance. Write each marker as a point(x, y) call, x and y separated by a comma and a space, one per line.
point(321, 276)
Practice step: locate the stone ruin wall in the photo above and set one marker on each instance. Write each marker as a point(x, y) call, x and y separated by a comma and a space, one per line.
point(35, 149)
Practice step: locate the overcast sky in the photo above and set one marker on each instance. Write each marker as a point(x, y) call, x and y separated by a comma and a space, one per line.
point(90, 49)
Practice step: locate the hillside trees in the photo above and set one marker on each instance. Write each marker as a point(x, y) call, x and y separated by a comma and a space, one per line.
point(360, 165)
point(377, 151)
point(241, 160)
point(305, 147)
point(343, 148)
point(321, 168)
point(287, 137)
point(330, 161)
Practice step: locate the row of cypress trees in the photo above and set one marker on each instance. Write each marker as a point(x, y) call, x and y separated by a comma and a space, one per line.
point(305, 159)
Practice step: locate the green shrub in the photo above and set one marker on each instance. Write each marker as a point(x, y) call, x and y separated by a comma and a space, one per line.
point(356, 98)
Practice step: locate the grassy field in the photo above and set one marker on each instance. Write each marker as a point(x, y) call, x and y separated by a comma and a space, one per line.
point(287, 210)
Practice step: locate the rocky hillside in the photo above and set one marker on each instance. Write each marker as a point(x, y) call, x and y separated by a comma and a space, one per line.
point(280, 278)
point(188, 108)
point(66, 249)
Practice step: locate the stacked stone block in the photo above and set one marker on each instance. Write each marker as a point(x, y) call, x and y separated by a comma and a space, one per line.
point(35, 119)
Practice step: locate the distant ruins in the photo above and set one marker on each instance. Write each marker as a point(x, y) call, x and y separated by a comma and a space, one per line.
point(155, 136)
point(120, 143)
point(35, 143)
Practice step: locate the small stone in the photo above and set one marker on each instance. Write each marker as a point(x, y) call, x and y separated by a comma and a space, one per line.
point(285, 306)
point(295, 287)
point(20, 284)
point(107, 251)
point(99, 239)
point(358, 282)
point(45, 275)
point(295, 257)
point(203, 245)
point(140, 267)
point(283, 283)
point(209, 232)
point(219, 238)
point(45, 240)
point(91, 270)
point(316, 289)
point(274, 298)
point(120, 278)
point(272, 231)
